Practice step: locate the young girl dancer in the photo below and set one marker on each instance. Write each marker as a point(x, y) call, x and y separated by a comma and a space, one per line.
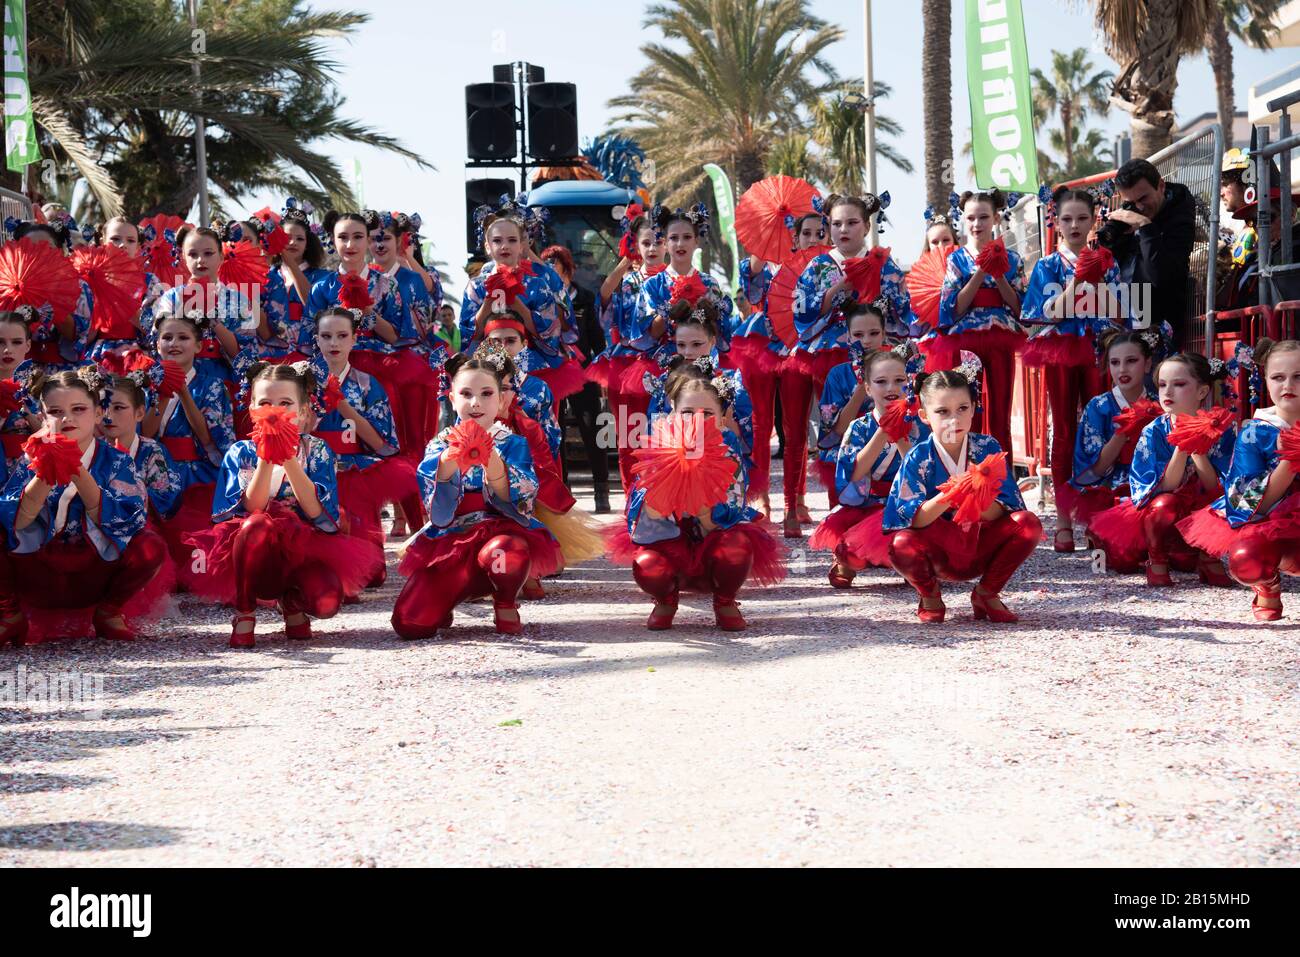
point(19, 414)
point(301, 264)
point(125, 235)
point(1072, 293)
point(74, 520)
point(758, 353)
point(930, 544)
point(356, 422)
point(867, 460)
point(59, 342)
point(1167, 483)
point(824, 293)
point(128, 400)
point(979, 309)
point(1103, 450)
point(642, 257)
point(714, 550)
point(533, 397)
point(276, 517)
point(1256, 522)
point(845, 391)
point(481, 538)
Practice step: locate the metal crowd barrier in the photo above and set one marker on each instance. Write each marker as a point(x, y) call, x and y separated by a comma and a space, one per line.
point(1262, 154)
point(13, 204)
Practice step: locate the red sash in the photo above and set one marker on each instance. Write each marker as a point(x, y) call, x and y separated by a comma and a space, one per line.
point(295, 312)
point(47, 353)
point(471, 502)
point(986, 298)
point(181, 448)
point(880, 488)
point(13, 443)
point(339, 442)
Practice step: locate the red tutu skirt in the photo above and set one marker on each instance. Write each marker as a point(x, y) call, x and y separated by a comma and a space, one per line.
point(601, 371)
point(632, 379)
point(867, 542)
point(826, 474)
point(1083, 505)
point(1060, 349)
point(1211, 533)
point(687, 557)
point(351, 558)
point(815, 365)
point(829, 535)
point(751, 355)
point(460, 548)
point(564, 380)
point(987, 341)
point(193, 515)
point(364, 492)
point(1119, 532)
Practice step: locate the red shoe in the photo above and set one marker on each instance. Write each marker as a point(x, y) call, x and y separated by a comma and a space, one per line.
point(790, 526)
point(661, 617)
point(446, 622)
point(734, 620)
point(532, 590)
point(1272, 590)
point(244, 639)
point(1158, 579)
point(505, 626)
point(991, 607)
point(105, 628)
point(1064, 541)
point(805, 516)
point(14, 630)
point(841, 576)
point(299, 632)
point(1213, 573)
point(932, 616)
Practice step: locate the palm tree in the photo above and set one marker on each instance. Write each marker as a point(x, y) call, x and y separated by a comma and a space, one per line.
point(936, 85)
point(796, 155)
point(1072, 92)
point(840, 129)
point(736, 80)
point(1148, 38)
point(1252, 21)
point(113, 95)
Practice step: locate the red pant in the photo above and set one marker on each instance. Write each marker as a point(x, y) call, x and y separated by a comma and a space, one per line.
point(762, 387)
point(1165, 543)
point(629, 411)
point(999, 380)
point(1068, 390)
point(797, 395)
point(1255, 561)
point(74, 576)
point(726, 565)
point(262, 572)
point(922, 555)
point(499, 569)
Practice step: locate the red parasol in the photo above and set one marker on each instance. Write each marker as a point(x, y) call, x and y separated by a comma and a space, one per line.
point(245, 266)
point(762, 211)
point(685, 468)
point(36, 274)
point(780, 294)
point(925, 285)
point(116, 280)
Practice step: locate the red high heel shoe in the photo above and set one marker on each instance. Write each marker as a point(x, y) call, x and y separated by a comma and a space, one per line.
point(1158, 579)
point(1064, 540)
point(505, 626)
point(841, 576)
point(1212, 573)
point(532, 590)
point(932, 616)
point(983, 607)
point(734, 620)
point(240, 639)
point(105, 628)
point(14, 630)
point(790, 526)
point(299, 632)
point(661, 616)
point(1272, 590)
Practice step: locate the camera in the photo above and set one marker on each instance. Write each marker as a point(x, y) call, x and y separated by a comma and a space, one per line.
point(1113, 231)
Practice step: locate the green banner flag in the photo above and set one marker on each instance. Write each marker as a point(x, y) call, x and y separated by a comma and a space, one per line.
point(20, 129)
point(1001, 108)
point(726, 203)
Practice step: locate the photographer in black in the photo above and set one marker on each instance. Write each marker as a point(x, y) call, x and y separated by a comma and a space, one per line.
point(1151, 237)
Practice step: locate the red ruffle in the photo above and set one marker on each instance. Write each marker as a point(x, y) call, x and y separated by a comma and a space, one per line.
point(1210, 532)
point(826, 474)
point(815, 365)
point(988, 341)
point(867, 542)
point(1081, 506)
point(364, 492)
point(751, 355)
point(632, 381)
point(1059, 349)
point(768, 566)
point(461, 547)
point(830, 533)
point(351, 558)
point(564, 380)
point(600, 371)
point(193, 515)
point(1118, 531)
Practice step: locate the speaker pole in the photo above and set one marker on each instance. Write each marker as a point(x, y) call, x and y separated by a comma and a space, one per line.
point(521, 71)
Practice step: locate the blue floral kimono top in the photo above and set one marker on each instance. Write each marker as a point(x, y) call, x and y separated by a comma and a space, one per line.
point(923, 471)
point(732, 510)
point(368, 398)
point(1154, 452)
point(872, 488)
point(819, 330)
point(1096, 428)
point(237, 468)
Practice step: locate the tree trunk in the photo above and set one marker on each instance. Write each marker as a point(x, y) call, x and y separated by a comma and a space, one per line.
point(1146, 88)
point(936, 83)
point(1219, 49)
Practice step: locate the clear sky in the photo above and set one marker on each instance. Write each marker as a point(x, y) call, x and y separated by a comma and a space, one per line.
point(405, 73)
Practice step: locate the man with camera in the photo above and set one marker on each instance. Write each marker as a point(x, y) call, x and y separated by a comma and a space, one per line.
point(1151, 238)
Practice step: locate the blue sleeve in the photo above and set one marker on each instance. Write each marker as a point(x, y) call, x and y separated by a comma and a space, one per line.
point(121, 506)
point(856, 438)
point(841, 381)
point(894, 288)
point(1044, 286)
point(228, 498)
point(379, 413)
point(469, 307)
point(953, 281)
point(912, 487)
point(1150, 459)
point(1253, 460)
point(522, 478)
point(161, 482)
point(440, 497)
point(754, 288)
point(33, 536)
point(818, 276)
point(1096, 428)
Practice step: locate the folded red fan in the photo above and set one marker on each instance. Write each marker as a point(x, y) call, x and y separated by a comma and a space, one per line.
point(245, 266)
point(1136, 417)
point(1093, 264)
point(1197, 434)
point(173, 379)
point(116, 282)
point(1288, 445)
point(689, 288)
point(276, 240)
point(972, 492)
point(275, 433)
point(505, 280)
point(55, 458)
point(468, 445)
point(895, 419)
point(332, 394)
point(686, 467)
point(863, 273)
point(993, 259)
point(9, 397)
point(354, 292)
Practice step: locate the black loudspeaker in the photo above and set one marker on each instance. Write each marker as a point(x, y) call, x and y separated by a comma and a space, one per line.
point(479, 192)
point(552, 121)
point(490, 121)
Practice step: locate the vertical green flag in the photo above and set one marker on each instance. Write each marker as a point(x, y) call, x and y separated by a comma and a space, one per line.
point(726, 203)
point(1001, 109)
point(20, 129)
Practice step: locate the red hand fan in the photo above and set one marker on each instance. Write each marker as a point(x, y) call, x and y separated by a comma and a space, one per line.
point(162, 259)
point(1197, 434)
point(245, 267)
point(863, 273)
point(354, 292)
point(8, 397)
point(333, 393)
point(894, 420)
point(1093, 264)
point(781, 292)
point(972, 492)
point(505, 280)
point(36, 274)
point(993, 259)
point(925, 285)
point(116, 280)
point(761, 215)
point(468, 445)
point(1136, 417)
point(275, 241)
point(275, 433)
point(173, 379)
point(627, 248)
point(268, 216)
point(686, 467)
point(689, 288)
point(55, 458)
point(1288, 445)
